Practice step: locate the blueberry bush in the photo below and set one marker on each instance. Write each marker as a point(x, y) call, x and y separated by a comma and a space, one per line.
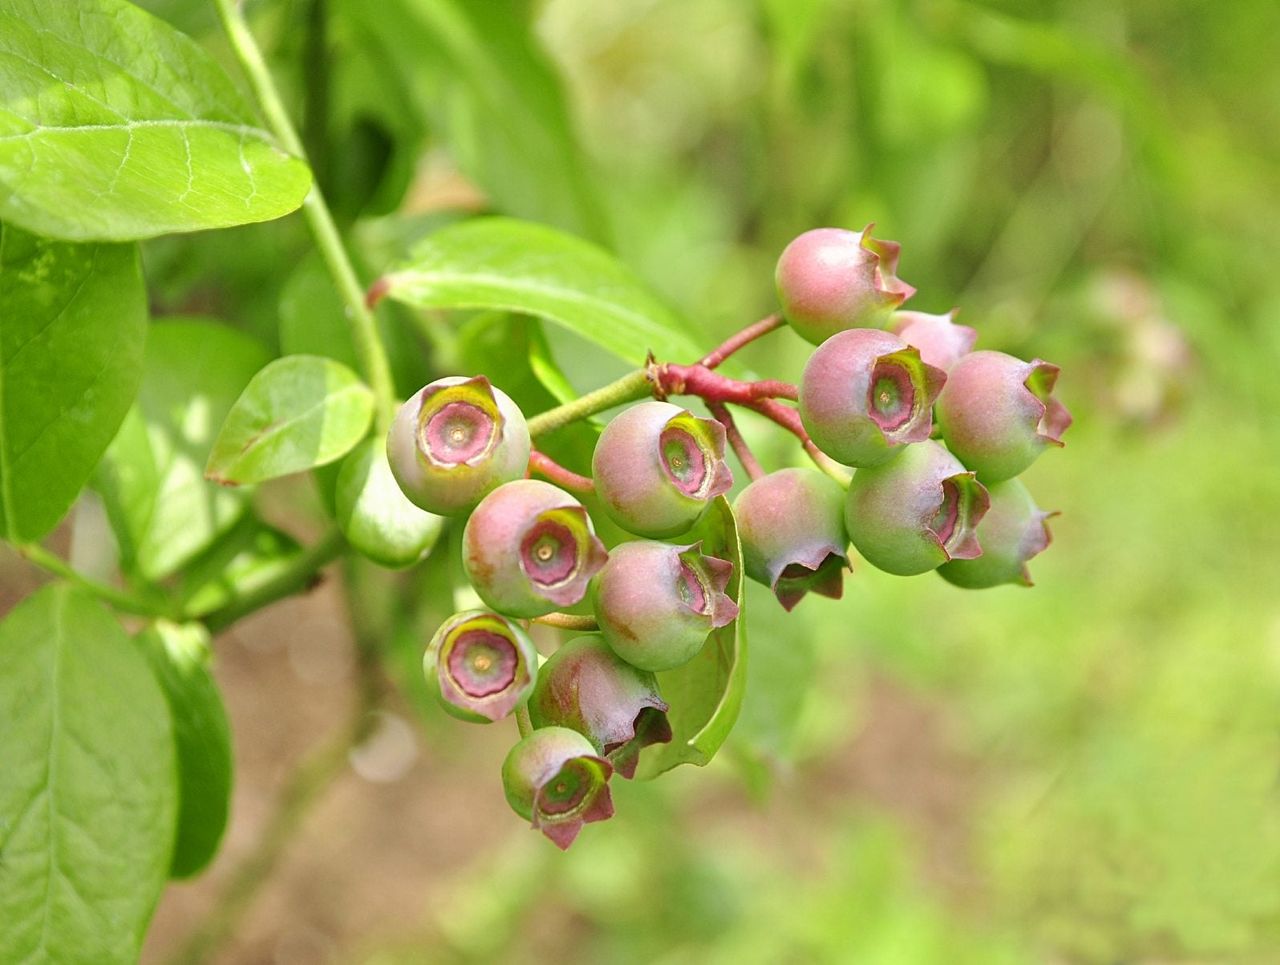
point(252, 340)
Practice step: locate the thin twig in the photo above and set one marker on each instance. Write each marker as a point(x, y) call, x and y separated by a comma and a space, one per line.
point(120, 599)
point(300, 574)
point(789, 419)
point(568, 621)
point(738, 340)
point(745, 456)
point(306, 785)
point(544, 465)
point(630, 388)
point(364, 329)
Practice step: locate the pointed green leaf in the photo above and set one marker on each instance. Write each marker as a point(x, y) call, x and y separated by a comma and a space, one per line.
point(519, 266)
point(299, 412)
point(87, 793)
point(73, 322)
point(706, 693)
point(162, 508)
point(114, 126)
point(374, 514)
point(179, 656)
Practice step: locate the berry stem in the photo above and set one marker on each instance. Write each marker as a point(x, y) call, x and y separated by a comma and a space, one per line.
point(671, 379)
point(544, 465)
point(522, 720)
point(740, 448)
point(120, 599)
point(630, 388)
point(568, 621)
point(789, 419)
point(301, 574)
point(738, 340)
point(364, 329)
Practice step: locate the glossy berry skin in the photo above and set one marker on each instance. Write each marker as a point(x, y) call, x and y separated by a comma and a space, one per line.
point(455, 441)
point(588, 688)
point(529, 548)
point(1012, 532)
point(830, 279)
point(998, 413)
point(940, 341)
point(865, 394)
point(555, 780)
point(657, 467)
point(913, 514)
point(480, 665)
point(656, 603)
point(791, 523)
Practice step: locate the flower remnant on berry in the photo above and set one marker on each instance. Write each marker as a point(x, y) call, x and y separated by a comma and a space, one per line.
point(555, 780)
point(588, 688)
point(480, 665)
point(529, 548)
point(455, 441)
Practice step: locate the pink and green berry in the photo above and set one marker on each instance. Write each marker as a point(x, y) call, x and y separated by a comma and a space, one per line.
point(791, 523)
point(917, 512)
point(865, 394)
point(529, 548)
point(555, 780)
point(455, 441)
point(657, 467)
point(831, 279)
point(656, 603)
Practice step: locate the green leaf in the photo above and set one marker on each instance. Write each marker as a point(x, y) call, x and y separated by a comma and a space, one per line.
point(518, 266)
point(477, 71)
point(114, 126)
point(299, 412)
point(87, 795)
point(706, 693)
point(162, 508)
point(179, 656)
point(374, 514)
point(544, 366)
point(73, 322)
point(243, 560)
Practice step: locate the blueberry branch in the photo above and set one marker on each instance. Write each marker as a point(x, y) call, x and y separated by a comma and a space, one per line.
point(789, 419)
point(568, 621)
point(364, 330)
point(299, 575)
point(120, 599)
point(744, 337)
point(544, 465)
point(745, 456)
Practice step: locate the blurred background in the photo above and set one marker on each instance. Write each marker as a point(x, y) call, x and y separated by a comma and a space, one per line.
point(1085, 771)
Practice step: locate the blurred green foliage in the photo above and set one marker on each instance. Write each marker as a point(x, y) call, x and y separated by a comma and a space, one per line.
point(1095, 182)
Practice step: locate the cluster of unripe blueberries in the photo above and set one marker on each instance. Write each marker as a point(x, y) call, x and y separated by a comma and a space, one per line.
point(868, 398)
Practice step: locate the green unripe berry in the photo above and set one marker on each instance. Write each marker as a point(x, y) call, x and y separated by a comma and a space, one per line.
point(529, 549)
point(480, 666)
point(865, 394)
point(1013, 530)
point(830, 280)
point(913, 514)
point(791, 523)
point(656, 603)
point(455, 441)
point(940, 341)
point(588, 688)
point(998, 413)
point(555, 780)
point(657, 467)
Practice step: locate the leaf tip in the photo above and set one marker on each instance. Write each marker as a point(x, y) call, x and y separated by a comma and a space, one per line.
point(377, 291)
